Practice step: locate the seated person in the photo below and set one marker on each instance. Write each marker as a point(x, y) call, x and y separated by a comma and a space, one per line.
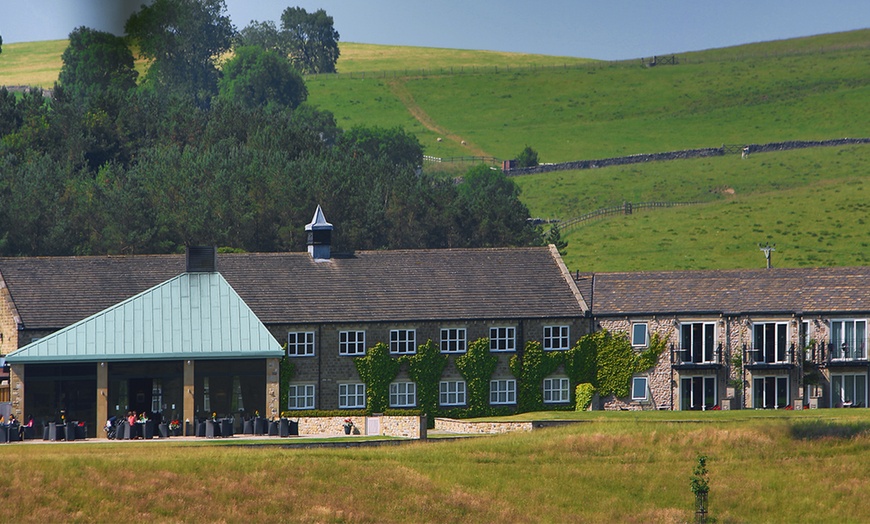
point(22, 429)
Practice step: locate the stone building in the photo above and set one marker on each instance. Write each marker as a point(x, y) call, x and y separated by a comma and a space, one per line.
point(759, 339)
point(327, 307)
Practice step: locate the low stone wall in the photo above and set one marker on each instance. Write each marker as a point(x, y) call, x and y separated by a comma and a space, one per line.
point(461, 426)
point(406, 427)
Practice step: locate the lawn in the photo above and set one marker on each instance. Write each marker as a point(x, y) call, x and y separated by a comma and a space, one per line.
point(612, 467)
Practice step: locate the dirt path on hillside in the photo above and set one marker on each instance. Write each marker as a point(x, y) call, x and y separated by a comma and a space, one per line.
point(401, 91)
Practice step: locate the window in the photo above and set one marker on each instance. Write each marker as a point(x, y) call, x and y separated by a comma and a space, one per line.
point(452, 393)
point(697, 393)
point(697, 342)
point(300, 343)
point(770, 392)
point(556, 338)
point(403, 341)
point(502, 392)
point(351, 396)
point(848, 390)
point(638, 334)
point(403, 394)
point(555, 390)
point(300, 396)
point(849, 339)
point(502, 339)
point(639, 387)
point(770, 342)
point(352, 343)
point(453, 340)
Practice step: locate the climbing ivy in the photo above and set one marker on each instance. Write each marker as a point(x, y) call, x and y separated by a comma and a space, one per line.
point(477, 366)
point(581, 361)
point(425, 369)
point(377, 370)
point(286, 369)
point(618, 362)
point(531, 368)
point(584, 393)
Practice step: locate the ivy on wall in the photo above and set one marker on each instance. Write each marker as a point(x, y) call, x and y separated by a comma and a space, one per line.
point(584, 393)
point(477, 366)
point(377, 369)
point(286, 369)
point(425, 369)
point(617, 361)
point(531, 368)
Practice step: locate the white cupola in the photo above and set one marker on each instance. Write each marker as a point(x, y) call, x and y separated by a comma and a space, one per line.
point(319, 236)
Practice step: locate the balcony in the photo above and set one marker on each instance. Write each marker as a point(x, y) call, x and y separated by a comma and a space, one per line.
point(770, 358)
point(698, 358)
point(844, 355)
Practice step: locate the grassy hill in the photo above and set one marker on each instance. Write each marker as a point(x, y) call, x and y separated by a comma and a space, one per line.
point(808, 202)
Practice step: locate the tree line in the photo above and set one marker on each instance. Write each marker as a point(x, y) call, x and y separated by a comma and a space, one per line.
point(204, 149)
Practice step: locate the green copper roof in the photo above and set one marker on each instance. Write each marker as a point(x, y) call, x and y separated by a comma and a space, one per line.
point(191, 316)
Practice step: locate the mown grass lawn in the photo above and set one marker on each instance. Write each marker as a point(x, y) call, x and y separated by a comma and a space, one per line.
point(611, 467)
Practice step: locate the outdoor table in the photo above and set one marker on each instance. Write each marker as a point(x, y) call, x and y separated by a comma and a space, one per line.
point(55, 431)
point(212, 429)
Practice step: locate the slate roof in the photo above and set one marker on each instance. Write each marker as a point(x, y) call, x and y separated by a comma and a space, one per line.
point(193, 315)
point(776, 290)
point(376, 286)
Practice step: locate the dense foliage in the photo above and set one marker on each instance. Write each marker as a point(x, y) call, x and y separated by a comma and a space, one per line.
point(231, 156)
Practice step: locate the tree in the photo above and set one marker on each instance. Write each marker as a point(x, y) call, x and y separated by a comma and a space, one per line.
point(527, 158)
point(554, 237)
point(184, 40)
point(96, 61)
point(256, 77)
point(311, 40)
point(394, 145)
point(489, 212)
point(263, 35)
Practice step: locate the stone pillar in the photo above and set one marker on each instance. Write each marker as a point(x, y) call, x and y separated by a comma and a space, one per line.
point(188, 396)
point(16, 390)
point(272, 388)
point(102, 396)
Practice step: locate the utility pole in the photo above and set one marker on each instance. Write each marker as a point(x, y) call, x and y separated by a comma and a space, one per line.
point(767, 248)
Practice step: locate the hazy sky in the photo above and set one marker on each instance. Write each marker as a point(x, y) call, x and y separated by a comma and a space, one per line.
point(603, 29)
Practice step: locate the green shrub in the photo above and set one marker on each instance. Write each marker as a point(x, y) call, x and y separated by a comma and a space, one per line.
point(584, 393)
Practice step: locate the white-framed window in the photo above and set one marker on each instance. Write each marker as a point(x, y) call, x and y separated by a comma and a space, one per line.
point(698, 393)
point(639, 388)
point(639, 332)
point(698, 342)
point(849, 339)
point(300, 396)
point(403, 341)
point(453, 340)
point(300, 343)
point(849, 390)
point(502, 339)
point(502, 391)
point(351, 396)
point(452, 393)
point(555, 390)
point(770, 341)
point(556, 338)
point(352, 343)
point(403, 394)
point(770, 392)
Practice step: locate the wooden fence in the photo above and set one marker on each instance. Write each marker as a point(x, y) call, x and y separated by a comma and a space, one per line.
point(626, 208)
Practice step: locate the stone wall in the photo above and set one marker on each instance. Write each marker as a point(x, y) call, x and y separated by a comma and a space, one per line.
point(461, 426)
point(390, 426)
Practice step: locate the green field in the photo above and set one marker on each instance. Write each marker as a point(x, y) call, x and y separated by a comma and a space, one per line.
point(810, 202)
point(612, 467)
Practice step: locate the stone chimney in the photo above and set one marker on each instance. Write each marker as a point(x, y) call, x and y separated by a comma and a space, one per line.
point(201, 259)
point(319, 236)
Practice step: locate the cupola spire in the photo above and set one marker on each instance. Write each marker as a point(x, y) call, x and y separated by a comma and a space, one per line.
point(319, 236)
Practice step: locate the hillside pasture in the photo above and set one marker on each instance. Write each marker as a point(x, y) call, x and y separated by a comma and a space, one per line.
point(809, 202)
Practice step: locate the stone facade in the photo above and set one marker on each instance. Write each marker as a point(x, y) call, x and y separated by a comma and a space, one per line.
point(460, 426)
point(327, 367)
